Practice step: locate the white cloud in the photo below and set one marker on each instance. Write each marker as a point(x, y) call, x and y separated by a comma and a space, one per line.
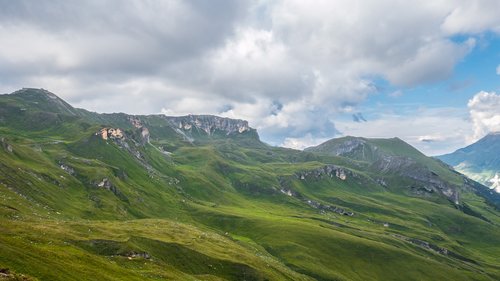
point(484, 109)
point(433, 131)
point(396, 94)
point(431, 63)
point(498, 69)
point(289, 67)
point(473, 16)
point(300, 143)
point(360, 40)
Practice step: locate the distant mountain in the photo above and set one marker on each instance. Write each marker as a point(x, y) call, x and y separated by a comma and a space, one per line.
point(397, 161)
point(89, 196)
point(479, 161)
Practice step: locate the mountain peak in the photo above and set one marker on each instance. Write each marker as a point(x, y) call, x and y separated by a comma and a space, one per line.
point(35, 92)
point(360, 148)
point(42, 100)
point(479, 161)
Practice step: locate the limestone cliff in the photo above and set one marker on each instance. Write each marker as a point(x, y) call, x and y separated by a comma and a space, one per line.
point(209, 124)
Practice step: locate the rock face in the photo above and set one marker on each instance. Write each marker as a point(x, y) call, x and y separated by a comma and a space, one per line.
point(135, 255)
point(209, 124)
point(6, 146)
point(106, 183)
point(348, 146)
point(143, 131)
point(351, 147)
point(379, 157)
point(110, 133)
point(434, 248)
point(332, 171)
point(67, 169)
point(136, 122)
point(425, 181)
point(145, 134)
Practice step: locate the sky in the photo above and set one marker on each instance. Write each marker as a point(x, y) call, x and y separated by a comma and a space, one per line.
point(300, 72)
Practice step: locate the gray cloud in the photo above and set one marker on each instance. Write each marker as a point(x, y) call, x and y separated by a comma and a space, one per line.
point(114, 37)
point(289, 67)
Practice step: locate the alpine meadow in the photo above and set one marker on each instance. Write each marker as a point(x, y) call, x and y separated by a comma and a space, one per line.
point(249, 140)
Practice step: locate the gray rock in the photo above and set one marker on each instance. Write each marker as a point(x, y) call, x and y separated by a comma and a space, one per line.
point(209, 124)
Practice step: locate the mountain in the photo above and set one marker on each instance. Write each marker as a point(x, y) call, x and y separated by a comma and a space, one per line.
point(479, 161)
point(88, 196)
point(395, 163)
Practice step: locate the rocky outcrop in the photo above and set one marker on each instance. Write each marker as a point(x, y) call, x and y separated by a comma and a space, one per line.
point(7, 275)
point(351, 147)
point(144, 135)
point(140, 255)
point(110, 133)
point(330, 208)
point(382, 182)
point(348, 146)
point(6, 146)
point(392, 164)
point(331, 171)
point(143, 131)
point(287, 192)
point(425, 180)
point(67, 169)
point(105, 183)
point(209, 124)
point(131, 142)
point(136, 122)
point(433, 248)
point(323, 208)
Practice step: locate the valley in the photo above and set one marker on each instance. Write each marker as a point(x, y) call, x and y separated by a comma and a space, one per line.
point(88, 196)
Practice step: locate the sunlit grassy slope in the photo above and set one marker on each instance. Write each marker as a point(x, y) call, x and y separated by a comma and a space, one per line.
point(225, 207)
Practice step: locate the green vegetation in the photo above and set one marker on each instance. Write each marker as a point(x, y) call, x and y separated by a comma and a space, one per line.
point(186, 205)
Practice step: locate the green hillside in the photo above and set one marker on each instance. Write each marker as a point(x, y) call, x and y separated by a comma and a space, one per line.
point(87, 196)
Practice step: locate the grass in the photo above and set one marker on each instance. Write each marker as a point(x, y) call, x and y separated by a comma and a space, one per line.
point(214, 209)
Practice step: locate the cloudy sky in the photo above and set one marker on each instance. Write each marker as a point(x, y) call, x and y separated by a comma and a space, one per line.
point(300, 72)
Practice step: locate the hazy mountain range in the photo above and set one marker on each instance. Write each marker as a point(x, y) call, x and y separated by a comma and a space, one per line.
point(479, 161)
point(88, 196)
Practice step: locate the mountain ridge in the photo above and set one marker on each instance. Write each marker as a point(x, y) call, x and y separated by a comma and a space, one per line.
point(478, 160)
point(189, 127)
point(127, 197)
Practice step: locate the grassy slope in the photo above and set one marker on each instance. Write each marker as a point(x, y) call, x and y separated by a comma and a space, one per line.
point(213, 211)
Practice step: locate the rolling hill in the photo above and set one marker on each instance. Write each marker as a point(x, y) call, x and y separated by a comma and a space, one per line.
point(88, 196)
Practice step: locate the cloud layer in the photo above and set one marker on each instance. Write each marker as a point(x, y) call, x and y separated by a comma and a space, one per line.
point(289, 67)
point(484, 111)
point(432, 130)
